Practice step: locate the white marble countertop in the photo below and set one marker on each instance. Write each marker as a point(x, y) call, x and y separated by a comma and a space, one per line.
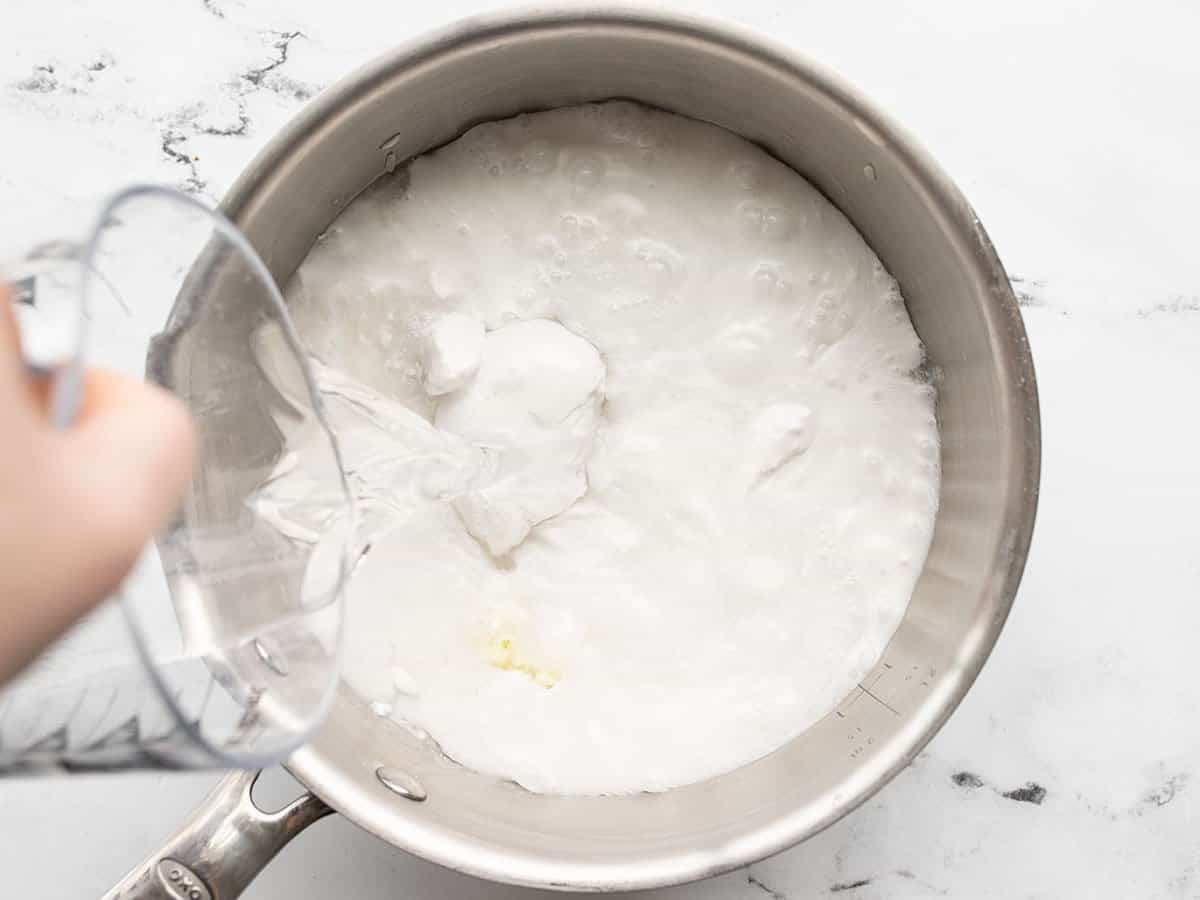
point(1073, 767)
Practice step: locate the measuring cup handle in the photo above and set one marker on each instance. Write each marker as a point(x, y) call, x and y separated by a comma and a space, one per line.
point(222, 848)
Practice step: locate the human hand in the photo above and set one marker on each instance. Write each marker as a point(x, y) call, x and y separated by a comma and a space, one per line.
point(78, 505)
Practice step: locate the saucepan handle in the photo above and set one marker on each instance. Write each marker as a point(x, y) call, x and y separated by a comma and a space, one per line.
point(222, 848)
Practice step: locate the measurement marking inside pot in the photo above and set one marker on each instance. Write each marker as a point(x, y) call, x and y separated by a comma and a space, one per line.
point(866, 691)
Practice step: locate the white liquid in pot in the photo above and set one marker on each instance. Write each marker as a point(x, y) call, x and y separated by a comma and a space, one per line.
point(647, 472)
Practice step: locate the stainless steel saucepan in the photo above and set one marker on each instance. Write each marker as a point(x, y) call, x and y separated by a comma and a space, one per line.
point(399, 787)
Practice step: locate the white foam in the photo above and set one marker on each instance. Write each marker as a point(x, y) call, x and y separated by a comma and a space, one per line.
point(454, 348)
point(679, 508)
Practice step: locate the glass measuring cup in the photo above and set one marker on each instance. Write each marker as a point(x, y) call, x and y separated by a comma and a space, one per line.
point(222, 646)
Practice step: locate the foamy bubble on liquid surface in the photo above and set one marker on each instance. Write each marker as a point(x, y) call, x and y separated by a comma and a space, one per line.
point(712, 541)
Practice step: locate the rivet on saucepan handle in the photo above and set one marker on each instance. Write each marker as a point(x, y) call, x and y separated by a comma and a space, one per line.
point(401, 783)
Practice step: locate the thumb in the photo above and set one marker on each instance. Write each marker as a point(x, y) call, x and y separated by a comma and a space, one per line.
point(132, 453)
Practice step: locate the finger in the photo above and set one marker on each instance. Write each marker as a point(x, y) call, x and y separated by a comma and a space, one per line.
point(104, 389)
point(132, 453)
